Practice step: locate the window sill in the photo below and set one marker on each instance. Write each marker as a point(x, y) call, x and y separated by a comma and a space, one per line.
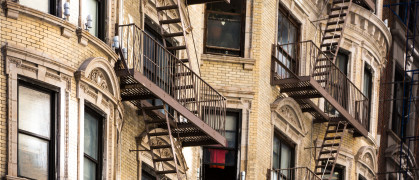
point(247, 63)
point(8, 177)
point(13, 10)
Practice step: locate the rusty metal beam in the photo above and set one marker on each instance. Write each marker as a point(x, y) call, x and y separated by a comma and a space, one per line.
point(160, 93)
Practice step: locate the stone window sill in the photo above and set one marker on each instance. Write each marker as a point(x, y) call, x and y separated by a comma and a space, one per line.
point(247, 63)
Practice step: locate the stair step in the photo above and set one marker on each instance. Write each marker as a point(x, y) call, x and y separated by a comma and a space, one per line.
point(332, 37)
point(334, 131)
point(153, 107)
point(170, 21)
point(169, 35)
point(337, 15)
point(339, 8)
point(331, 144)
point(333, 30)
point(162, 8)
point(329, 152)
point(333, 138)
point(166, 172)
point(329, 44)
point(187, 100)
point(174, 48)
point(183, 87)
point(335, 22)
point(323, 66)
point(161, 146)
point(163, 159)
point(325, 159)
point(321, 73)
point(183, 74)
point(340, 1)
point(159, 134)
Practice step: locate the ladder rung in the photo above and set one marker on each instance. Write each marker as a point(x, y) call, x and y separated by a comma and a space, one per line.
point(329, 44)
point(331, 144)
point(325, 159)
point(153, 107)
point(322, 59)
point(337, 15)
point(329, 152)
point(335, 22)
point(339, 8)
point(163, 159)
point(183, 87)
point(333, 30)
point(161, 146)
point(332, 37)
point(162, 8)
point(333, 138)
point(340, 1)
point(159, 134)
point(321, 73)
point(174, 48)
point(170, 21)
point(168, 35)
point(323, 66)
point(166, 172)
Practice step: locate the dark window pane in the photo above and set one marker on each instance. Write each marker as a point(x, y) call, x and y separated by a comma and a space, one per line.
point(234, 6)
point(342, 62)
point(32, 157)
point(91, 139)
point(89, 170)
point(146, 176)
point(34, 111)
point(223, 30)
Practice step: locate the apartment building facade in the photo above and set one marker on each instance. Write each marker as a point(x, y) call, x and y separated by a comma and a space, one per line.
point(139, 89)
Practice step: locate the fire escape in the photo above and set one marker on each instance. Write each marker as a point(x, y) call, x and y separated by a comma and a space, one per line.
point(308, 74)
point(179, 108)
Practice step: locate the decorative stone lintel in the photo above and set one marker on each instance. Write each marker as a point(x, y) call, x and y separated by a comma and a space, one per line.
point(13, 9)
point(247, 63)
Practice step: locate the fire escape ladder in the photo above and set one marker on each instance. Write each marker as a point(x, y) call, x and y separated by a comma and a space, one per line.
point(335, 27)
point(329, 150)
point(173, 20)
point(163, 147)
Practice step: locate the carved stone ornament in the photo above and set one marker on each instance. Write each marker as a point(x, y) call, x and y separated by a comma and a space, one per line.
point(287, 111)
point(99, 78)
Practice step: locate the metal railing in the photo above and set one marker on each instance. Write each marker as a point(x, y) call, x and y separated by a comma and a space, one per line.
point(297, 173)
point(291, 61)
point(146, 55)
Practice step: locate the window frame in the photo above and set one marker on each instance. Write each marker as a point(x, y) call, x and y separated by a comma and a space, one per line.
point(283, 140)
point(238, 114)
point(54, 8)
point(101, 125)
point(54, 139)
point(242, 31)
point(396, 117)
point(101, 16)
point(288, 16)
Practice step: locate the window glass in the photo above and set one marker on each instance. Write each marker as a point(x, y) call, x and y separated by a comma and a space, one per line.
point(89, 170)
point(283, 155)
point(91, 135)
point(32, 157)
point(224, 27)
point(34, 111)
point(91, 7)
point(342, 62)
point(146, 176)
point(40, 5)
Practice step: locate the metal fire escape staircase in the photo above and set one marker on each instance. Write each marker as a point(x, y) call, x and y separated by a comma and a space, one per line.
point(338, 101)
point(179, 108)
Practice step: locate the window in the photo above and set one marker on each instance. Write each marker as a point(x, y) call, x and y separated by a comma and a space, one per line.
point(400, 101)
point(338, 172)
point(92, 145)
point(36, 132)
point(283, 158)
point(339, 85)
point(368, 89)
point(47, 6)
point(288, 33)
point(225, 28)
point(360, 177)
point(407, 15)
point(221, 163)
point(96, 10)
point(146, 176)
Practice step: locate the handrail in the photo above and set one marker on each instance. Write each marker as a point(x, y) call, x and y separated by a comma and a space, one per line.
point(296, 173)
point(146, 55)
point(313, 62)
